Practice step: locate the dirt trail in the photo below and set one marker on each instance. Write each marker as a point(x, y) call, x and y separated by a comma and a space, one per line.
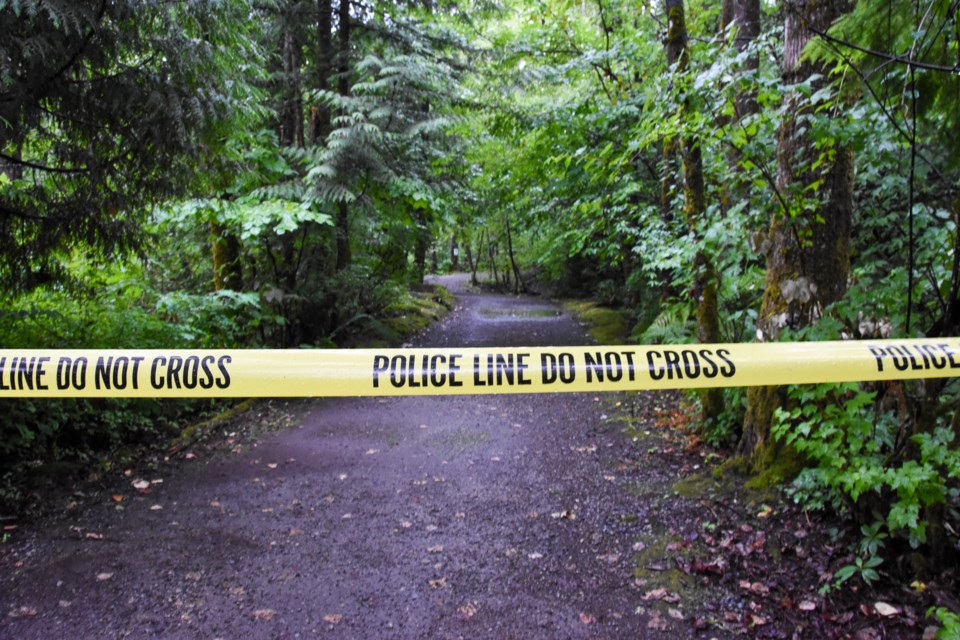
point(473, 517)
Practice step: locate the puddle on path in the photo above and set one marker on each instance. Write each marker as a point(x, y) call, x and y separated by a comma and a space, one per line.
point(493, 313)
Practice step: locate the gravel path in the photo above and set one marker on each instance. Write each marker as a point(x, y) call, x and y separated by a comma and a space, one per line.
point(456, 517)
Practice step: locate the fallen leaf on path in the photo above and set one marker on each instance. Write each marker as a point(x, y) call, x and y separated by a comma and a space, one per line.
point(194, 576)
point(886, 610)
point(535, 555)
point(564, 515)
point(676, 614)
point(405, 524)
point(586, 618)
point(264, 614)
point(116, 497)
point(104, 576)
point(586, 449)
point(214, 504)
point(467, 611)
point(156, 507)
point(435, 549)
point(342, 477)
point(333, 618)
point(90, 535)
point(807, 605)
point(610, 558)
point(272, 465)
point(655, 594)
point(22, 612)
point(657, 622)
point(140, 484)
point(755, 587)
point(438, 583)
point(757, 621)
point(371, 452)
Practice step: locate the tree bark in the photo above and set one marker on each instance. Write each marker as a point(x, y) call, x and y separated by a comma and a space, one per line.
point(227, 267)
point(808, 243)
point(320, 114)
point(343, 87)
point(694, 191)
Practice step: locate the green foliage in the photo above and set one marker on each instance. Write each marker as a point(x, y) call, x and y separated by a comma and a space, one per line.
point(950, 621)
point(857, 463)
point(106, 108)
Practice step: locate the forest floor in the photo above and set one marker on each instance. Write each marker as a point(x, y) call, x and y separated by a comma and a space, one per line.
point(510, 516)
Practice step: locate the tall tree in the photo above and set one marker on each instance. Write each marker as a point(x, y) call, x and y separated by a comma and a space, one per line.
point(343, 88)
point(808, 255)
point(704, 290)
point(105, 107)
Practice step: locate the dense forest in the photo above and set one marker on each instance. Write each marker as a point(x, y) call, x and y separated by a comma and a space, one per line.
point(284, 173)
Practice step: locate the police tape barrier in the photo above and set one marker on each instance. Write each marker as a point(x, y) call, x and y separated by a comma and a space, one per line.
point(397, 372)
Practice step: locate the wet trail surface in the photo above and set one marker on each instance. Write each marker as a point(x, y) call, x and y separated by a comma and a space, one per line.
point(506, 516)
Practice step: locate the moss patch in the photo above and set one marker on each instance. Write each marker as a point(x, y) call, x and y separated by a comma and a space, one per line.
point(607, 326)
point(414, 312)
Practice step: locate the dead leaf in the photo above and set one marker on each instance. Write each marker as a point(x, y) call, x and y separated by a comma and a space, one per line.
point(156, 507)
point(372, 452)
point(655, 594)
point(104, 576)
point(755, 587)
point(140, 484)
point(195, 576)
point(586, 618)
point(272, 465)
point(438, 583)
point(264, 614)
point(90, 535)
point(657, 622)
point(467, 611)
point(757, 621)
point(22, 612)
point(333, 618)
point(886, 610)
point(610, 558)
point(535, 555)
point(676, 614)
point(807, 605)
point(435, 549)
point(116, 497)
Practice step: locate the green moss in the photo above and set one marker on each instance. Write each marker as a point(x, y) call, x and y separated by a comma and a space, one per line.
point(416, 311)
point(775, 464)
point(607, 326)
point(195, 431)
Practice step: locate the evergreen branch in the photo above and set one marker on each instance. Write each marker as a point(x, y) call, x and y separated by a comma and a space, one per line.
point(901, 59)
point(40, 167)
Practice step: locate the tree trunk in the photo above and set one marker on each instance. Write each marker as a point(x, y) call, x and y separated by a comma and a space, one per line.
point(808, 255)
point(227, 267)
point(694, 192)
point(291, 108)
point(518, 286)
point(343, 87)
point(746, 17)
point(320, 114)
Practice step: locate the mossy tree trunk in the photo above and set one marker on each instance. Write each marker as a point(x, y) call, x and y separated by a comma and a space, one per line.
point(694, 195)
point(808, 241)
point(227, 266)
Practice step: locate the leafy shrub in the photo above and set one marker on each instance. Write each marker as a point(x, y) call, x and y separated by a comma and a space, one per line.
point(866, 462)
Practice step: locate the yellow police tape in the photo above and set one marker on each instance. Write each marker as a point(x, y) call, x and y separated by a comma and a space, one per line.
point(396, 372)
